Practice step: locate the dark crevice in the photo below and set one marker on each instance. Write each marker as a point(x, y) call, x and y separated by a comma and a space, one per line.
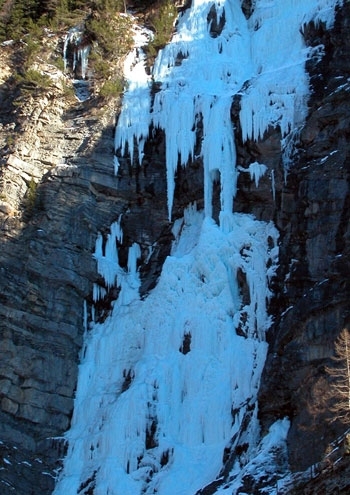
point(216, 24)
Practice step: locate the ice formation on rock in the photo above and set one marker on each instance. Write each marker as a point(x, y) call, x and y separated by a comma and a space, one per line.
point(169, 383)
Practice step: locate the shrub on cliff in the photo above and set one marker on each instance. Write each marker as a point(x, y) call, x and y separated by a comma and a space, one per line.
point(111, 32)
point(112, 88)
point(32, 79)
point(340, 377)
point(162, 22)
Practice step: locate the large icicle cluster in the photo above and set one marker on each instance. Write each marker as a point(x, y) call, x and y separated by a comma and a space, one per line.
point(169, 383)
point(81, 51)
point(262, 59)
point(110, 270)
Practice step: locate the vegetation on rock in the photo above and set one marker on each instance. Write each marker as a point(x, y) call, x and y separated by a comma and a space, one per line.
point(31, 196)
point(340, 375)
point(162, 22)
point(32, 79)
point(106, 29)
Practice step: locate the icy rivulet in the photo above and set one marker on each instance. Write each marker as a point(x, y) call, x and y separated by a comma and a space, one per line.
point(167, 383)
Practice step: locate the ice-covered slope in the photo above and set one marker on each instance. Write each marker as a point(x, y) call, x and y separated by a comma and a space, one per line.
point(168, 384)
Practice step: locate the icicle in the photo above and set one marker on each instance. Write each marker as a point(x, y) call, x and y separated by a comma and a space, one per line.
point(273, 187)
point(107, 261)
point(116, 165)
point(257, 170)
point(133, 256)
point(65, 47)
point(80, 53)
point(85, 317)
point(74, 61)
point(98, 292)
point(83, 54)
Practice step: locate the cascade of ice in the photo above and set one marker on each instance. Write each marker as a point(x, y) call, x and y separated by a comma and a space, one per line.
point(136, 101)
point(167, 383)
point(74, 38)
point(262, 59)
point(80, 57)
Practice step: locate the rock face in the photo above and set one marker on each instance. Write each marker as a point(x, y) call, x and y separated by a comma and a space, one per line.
point(313, 217)
point(311, 211)
point(58, 190)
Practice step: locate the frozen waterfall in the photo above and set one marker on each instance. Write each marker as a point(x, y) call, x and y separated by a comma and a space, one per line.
point(169, 383)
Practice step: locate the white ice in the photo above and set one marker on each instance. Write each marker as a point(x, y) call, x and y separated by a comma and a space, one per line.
point(166, 383)
point(195, 398)
point(262, 59)
point(136, 101)
point(256, 171)
point(81, 54)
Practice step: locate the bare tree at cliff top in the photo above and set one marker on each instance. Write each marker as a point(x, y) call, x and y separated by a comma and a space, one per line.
point(340, 374)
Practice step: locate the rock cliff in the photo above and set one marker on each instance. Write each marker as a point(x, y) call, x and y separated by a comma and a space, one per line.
point(313, 289)
point(58, 190)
